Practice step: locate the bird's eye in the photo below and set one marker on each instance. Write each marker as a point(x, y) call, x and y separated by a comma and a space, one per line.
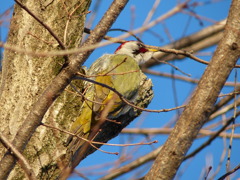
point(140, 45)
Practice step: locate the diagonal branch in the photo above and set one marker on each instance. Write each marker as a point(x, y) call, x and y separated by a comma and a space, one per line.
point(132, 165)
point(152, 155)
point(21, 159)
point(195, 42)
point(209, 141)
point(200, 106)
point(230, 172)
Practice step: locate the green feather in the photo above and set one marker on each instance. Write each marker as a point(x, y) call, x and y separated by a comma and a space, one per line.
point(120, 72)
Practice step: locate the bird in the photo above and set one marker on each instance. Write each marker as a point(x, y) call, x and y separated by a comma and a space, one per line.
point(104, 113)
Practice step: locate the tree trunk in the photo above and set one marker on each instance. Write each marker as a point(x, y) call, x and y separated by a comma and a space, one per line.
point(24, 78)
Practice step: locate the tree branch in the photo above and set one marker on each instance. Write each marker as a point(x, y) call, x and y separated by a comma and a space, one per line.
point(22, 160)
point(132, 165)
point(195, 42)
point(200, 106)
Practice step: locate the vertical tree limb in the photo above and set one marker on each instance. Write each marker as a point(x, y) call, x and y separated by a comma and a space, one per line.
point(200, 106)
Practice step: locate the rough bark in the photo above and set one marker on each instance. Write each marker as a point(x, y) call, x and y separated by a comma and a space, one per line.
point(40, 107)
point(25, 77)
point(200, 106)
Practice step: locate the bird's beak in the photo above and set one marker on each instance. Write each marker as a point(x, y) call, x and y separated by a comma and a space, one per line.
point(152, 50)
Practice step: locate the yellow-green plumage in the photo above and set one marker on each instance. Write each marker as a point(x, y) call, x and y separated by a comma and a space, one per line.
point(126, 83)
point(122, 73)
point(103, 113)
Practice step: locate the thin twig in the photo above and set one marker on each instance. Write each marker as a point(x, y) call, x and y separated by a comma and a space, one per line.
point(151, 12)
point(208, 142)
point(158, 131)
point(127, 101)
point(109, 74)
point(233, 126)
point(178, 77)
point(84, 97)
point(68, 20)
point(96, 44)
point(184, 53)
point(95, 142)
point(123, 61)
point(123, 30)
point(230, 94)
point(229, 173)
point(224, 110)
point(21, 159)
point(132, 165)
point(42, 23)
point(175, 67)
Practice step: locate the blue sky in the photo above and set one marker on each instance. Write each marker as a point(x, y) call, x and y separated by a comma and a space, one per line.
point(178, 26)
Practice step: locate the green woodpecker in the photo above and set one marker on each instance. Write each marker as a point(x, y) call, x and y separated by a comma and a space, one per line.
point(104, 108)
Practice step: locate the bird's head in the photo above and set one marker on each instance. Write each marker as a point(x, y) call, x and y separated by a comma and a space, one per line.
point(136, 50)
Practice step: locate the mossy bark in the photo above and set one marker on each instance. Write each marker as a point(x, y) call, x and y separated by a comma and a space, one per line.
point(25, 77)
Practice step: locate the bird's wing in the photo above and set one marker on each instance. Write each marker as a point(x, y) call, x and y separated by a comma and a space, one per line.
point(120, 72)
point(126, 81)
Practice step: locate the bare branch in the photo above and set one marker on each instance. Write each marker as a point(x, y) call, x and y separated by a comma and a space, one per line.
point(208, 142)
point(151, 131)
point(136, 163)
point(229, 173)
point(182, 78)
point(95, 33)
point(199, 108)
point(21, 159)
point(195, 42)
point(183, 53)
